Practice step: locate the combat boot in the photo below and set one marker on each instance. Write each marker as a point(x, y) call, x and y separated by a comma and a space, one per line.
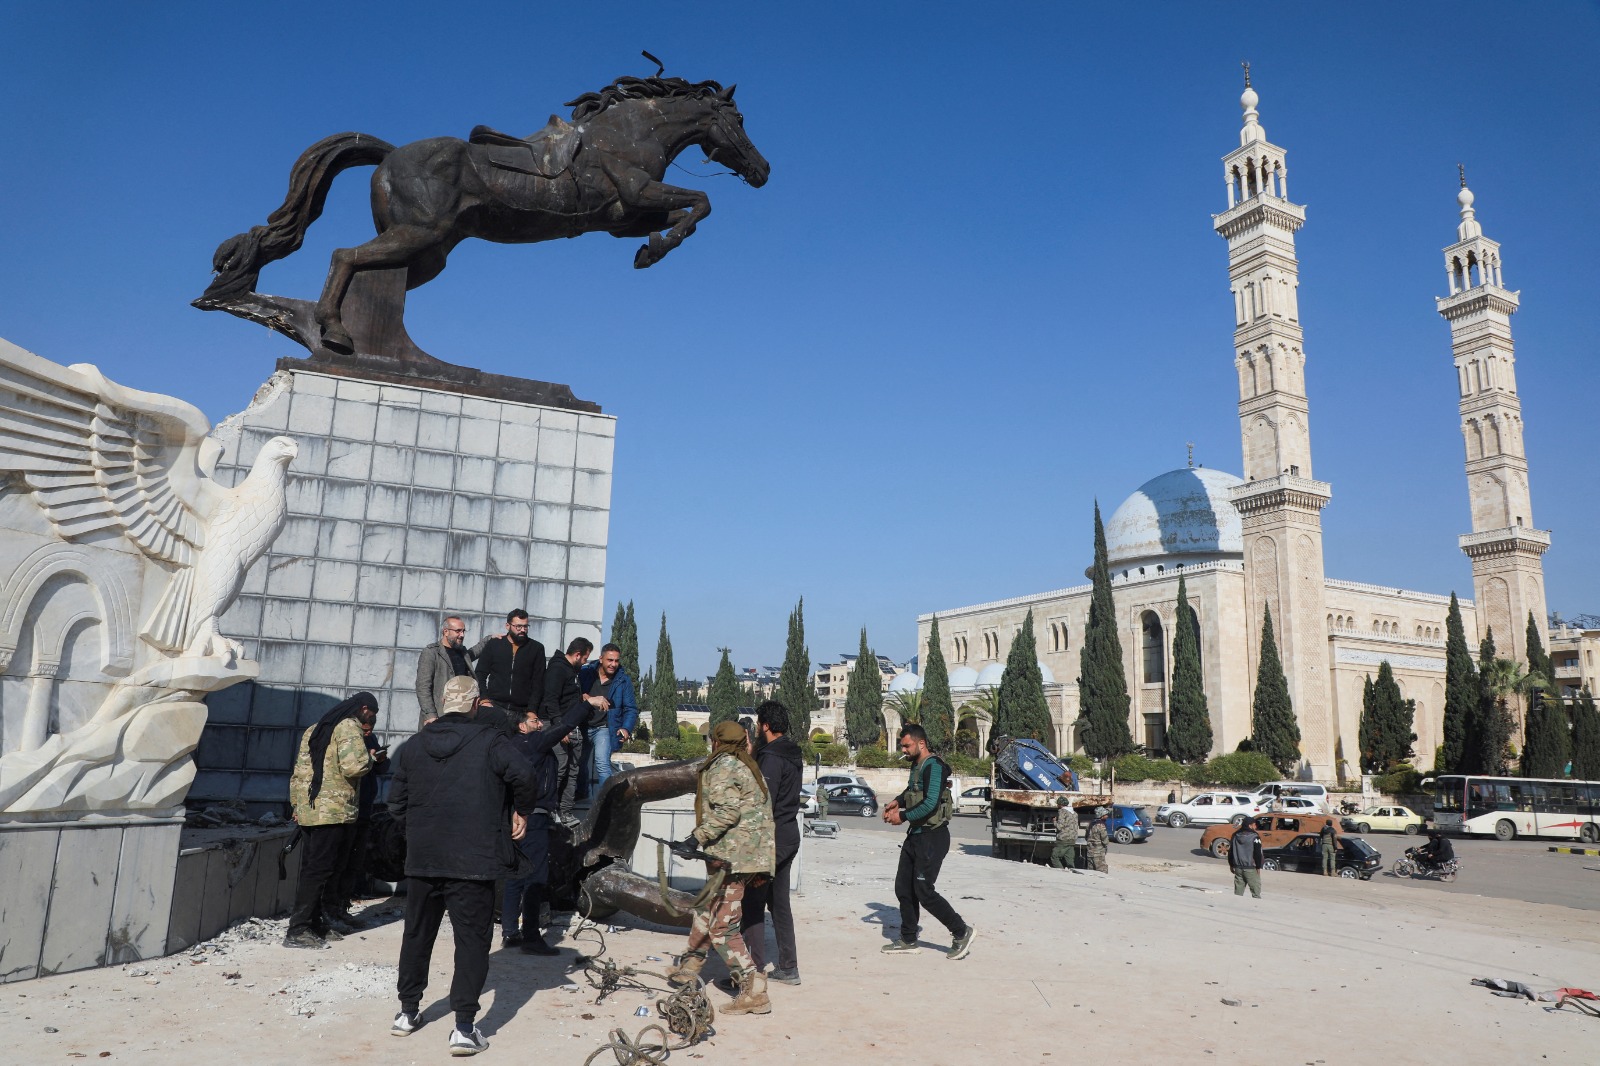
point(687, 971)
point(752, 997)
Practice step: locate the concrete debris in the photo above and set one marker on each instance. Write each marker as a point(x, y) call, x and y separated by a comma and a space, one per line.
point(308, 994)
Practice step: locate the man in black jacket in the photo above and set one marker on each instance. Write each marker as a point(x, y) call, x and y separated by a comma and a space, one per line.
point(510, 671)
point(525, 893)
point(455, 787)
point(782, 765)
point(563, 692)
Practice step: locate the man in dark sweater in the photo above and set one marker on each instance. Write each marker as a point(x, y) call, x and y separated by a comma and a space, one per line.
point(524, 895)
point(510, 672)
point(782, 765)
point(562, 692)
point(461, 795)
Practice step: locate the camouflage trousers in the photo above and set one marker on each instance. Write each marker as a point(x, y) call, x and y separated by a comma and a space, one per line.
point(716, 926)
point(1097, 858)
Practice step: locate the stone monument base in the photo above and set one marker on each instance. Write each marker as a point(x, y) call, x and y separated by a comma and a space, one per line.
point(84, 890)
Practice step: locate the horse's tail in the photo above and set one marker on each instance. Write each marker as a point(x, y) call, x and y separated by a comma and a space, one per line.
point(238, 260)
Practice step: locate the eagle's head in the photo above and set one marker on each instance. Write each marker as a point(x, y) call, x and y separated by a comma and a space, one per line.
point(279, 452)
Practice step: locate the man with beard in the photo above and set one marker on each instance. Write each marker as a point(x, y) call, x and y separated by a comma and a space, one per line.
point(510, 673)
point(613, 716)
point(445, 658)
point(563, 692)
point(782, 766)
point(323, 789)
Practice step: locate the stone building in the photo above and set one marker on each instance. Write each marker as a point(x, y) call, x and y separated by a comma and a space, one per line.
point(832, 682)
point(1246, 544)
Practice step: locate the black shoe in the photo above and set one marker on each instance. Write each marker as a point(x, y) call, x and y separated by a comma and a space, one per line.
point(511, 940)
point(788, 977)
point(342, 916)
point(304, 938)
point(535, 945)
point(330, 933)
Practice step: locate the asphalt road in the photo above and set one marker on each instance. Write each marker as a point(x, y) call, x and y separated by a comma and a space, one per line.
point(1517, 869)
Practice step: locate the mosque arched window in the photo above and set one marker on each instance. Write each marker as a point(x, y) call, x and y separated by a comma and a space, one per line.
point(1154, 645)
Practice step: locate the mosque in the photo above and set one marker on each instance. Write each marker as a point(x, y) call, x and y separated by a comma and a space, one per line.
point(1246, 544)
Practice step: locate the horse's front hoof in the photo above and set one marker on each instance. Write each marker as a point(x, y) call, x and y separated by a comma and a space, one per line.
point(642, 258)
point(338, 341)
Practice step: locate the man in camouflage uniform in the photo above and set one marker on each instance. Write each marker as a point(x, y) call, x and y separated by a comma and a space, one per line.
point(323, 789)
point(1062, 855)
point(734, 831)
point(1330, 849)
point(1098, 839)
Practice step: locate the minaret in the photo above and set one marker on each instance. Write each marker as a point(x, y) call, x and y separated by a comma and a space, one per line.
point(1505, 549)
point(1280, 503)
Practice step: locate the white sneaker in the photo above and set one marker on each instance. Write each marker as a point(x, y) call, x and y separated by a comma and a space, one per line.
point(406, 1024)
point(462, 1044)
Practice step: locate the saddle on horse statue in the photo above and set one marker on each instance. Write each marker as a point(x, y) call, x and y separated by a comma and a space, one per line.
point(546, 153)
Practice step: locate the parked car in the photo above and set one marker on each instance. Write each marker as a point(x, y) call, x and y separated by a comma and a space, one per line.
point(1385, 820)
point(1275, 830)
point(836, 778)
point(808, 801)
point(1356, 857)
point(1130, 825)
point(1209, 808)
point(858, 798)
point(973, 801)
point(1310, 790)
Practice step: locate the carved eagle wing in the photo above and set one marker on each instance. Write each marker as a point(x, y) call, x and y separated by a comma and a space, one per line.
point(99, 456)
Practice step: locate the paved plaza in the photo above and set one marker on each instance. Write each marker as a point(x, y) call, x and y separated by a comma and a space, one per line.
point(1157, 962)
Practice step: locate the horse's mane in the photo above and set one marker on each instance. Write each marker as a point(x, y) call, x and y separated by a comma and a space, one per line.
point(591, 104)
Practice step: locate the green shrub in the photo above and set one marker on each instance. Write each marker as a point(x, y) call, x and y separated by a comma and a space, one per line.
point(821, 738)
point(1400, 779)
point(834, 755)
point(636, 746)
point(876, 758)
point(967, 766)
point(690, 746)
point(1082, 765)
point(1136, 767)
point(1240, 769)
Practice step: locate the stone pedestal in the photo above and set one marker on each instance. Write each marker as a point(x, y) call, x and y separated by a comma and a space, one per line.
point(91, 890)
point(405, 503)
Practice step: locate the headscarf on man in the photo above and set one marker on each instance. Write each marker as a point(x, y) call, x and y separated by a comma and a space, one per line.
point(728, 740)
point(322, 734)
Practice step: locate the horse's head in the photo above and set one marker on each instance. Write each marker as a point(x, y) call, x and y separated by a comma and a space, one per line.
point(725, 141)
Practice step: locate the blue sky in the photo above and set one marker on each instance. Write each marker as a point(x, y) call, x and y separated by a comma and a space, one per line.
point(980, 290)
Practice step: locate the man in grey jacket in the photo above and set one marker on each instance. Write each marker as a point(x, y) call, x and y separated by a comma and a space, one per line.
point(447, 657)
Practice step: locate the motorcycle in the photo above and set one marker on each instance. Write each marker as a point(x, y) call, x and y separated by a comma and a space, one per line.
point(1349, 807)
point(1411, 866)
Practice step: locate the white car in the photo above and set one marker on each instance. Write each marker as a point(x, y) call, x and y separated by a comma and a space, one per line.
point(838, 777)
point(974, 800)
point(1210, 808)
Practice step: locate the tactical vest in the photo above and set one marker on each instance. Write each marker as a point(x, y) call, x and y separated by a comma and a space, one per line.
point(917, 791)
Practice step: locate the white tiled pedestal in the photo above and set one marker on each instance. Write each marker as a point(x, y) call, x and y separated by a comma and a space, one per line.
point(404, 504)
point(84, 890)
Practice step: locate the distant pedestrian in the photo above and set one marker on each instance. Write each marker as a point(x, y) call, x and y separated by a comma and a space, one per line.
point(563, 692)
point(1098, 839)
point(733, 829)
point(1244, 858)
point(782, 765)
point(1330, 849)
point(445, 658)
point(461, 795)
point(925, 806)
point(323, 789)
point(1064, 855)
point(510, 672)
point(613, 716)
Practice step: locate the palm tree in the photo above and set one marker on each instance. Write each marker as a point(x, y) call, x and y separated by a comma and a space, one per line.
point(980, 708)
point(908, 705)
point(1501, 679)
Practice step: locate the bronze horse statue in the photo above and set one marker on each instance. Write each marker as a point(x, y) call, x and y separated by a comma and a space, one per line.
point(601, 172)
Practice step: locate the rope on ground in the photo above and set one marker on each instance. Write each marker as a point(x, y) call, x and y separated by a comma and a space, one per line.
point(687, 1011)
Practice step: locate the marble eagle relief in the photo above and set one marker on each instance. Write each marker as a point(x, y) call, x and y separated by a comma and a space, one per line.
point(123, 480)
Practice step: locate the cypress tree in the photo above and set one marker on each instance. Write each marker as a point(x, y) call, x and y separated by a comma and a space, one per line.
point(1273, 729)
point(1189, 735)
point(629, 645)
point(1460, 692)
point(1546, 745)
point(1386, 721)
point(1024, 712)
point(863, 701)
point(1367, 738)
point(664, 687)
point(724, 694)
point(795, 690)
point(1102, 685)
point(938, 713)
point(1586, 738)
point(1538, 660)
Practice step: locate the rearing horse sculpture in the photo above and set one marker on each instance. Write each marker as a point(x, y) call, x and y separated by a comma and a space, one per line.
point(601, 172)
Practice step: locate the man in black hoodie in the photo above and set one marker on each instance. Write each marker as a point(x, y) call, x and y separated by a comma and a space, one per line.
point(455, 787)
point(510, 671)
point(782, 765)
point(563, 692)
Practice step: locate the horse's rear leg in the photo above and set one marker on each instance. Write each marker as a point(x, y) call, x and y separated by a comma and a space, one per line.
point(395, 247)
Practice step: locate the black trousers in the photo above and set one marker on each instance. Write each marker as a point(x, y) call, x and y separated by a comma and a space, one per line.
point(569, 767)
point(471, 908)
point(920, 858)
point(324, 849)
point(772, 896)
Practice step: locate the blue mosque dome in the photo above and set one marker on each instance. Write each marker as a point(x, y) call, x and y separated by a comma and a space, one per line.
point(1183, 516)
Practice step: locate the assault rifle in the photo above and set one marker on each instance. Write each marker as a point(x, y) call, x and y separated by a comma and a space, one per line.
point(677, 848)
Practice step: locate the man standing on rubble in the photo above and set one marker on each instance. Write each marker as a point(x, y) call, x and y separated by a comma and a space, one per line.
point(1065, 851)
point(925, 807)
point(324, 791)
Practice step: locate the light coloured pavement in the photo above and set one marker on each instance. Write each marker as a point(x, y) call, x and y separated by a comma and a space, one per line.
point(1144, 965)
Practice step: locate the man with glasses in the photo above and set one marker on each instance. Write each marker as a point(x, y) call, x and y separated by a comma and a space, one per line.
point(613, 716)
point(511, 674)
point(440, 661)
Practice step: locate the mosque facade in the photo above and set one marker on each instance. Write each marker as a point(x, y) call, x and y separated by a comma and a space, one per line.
point(1248, 544)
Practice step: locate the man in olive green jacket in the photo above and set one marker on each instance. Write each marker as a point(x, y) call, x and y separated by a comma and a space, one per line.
point(324, 790)
point(736, 834)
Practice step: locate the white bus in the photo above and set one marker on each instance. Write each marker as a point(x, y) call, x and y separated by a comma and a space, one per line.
point(1509, 807)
